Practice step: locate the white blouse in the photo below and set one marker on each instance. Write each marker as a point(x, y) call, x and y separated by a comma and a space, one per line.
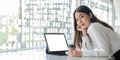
point(102, 41)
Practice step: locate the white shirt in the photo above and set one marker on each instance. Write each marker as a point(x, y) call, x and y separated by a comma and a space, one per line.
point(102, 41)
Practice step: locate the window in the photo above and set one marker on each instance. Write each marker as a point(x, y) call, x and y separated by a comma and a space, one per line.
point(103, 10)
point(23, 22)
point(45, 16)
point(9, 25)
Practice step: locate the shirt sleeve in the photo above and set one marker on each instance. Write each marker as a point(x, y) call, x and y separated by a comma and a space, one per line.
point(86, 43)
point(100, 40)
point(87, 48)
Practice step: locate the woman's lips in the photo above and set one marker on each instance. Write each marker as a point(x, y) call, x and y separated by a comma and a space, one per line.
point(82, 24)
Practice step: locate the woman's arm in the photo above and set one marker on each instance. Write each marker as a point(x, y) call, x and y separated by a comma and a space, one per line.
point(97, 32)
point(85, 44)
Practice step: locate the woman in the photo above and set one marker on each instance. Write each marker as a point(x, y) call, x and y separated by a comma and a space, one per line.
point(92, 36)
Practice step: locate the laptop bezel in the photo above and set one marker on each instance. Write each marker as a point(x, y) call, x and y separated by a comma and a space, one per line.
point(55, 34)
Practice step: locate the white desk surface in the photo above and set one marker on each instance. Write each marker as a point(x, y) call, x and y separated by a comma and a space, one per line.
point(37, 54)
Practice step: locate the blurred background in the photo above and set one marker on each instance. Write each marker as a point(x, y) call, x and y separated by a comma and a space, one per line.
point(24, 22)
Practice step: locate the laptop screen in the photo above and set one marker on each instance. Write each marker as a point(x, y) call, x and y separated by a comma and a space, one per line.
point(56, 41)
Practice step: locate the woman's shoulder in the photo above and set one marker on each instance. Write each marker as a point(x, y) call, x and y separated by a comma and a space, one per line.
point(97, 26)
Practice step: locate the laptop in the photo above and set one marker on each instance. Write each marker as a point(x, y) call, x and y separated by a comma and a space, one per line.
point(56, 43)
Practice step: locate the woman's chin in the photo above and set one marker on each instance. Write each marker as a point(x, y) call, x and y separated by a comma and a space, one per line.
point(84, 27)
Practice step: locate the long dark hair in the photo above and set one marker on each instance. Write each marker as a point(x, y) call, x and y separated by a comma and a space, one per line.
point(78, 34)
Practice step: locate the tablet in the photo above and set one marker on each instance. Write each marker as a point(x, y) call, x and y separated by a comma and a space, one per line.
point(56, 42)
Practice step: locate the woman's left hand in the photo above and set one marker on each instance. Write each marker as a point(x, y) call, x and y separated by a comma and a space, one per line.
point(75, 53)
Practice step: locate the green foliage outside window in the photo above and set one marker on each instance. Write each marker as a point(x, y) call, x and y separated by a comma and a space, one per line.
point(3, 38)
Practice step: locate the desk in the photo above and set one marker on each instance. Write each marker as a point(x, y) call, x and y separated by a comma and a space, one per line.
point(38, 54)
point(45, 56)
point(53, 57)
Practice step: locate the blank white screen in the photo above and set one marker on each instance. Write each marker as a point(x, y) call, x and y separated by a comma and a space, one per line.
point(56, 42)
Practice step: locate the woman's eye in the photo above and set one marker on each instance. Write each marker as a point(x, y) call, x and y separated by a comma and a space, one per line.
point(82, 16)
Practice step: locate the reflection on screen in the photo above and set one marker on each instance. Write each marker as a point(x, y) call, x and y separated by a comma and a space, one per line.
point(56, 42)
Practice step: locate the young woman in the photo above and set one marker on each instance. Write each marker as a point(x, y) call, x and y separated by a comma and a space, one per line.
point(92, 36)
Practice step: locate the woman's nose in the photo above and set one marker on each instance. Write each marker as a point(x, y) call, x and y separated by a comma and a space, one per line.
point(79, 21)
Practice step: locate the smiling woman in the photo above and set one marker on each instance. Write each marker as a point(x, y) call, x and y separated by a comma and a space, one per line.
point(93, 37)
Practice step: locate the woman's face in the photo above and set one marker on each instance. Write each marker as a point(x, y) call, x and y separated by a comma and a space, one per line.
point(82, 19)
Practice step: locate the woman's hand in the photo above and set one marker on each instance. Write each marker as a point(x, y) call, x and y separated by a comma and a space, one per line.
point(83, 30)
point(75, 53)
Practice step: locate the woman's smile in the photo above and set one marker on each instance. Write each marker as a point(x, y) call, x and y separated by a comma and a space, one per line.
point(82, 24)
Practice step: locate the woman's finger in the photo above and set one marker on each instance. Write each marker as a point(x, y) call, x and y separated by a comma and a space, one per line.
point(79, 28)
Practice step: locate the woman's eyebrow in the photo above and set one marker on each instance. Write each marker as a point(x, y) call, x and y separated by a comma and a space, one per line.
point(80, 15)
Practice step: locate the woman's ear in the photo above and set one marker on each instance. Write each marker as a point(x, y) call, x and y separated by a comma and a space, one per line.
point(90, 15)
